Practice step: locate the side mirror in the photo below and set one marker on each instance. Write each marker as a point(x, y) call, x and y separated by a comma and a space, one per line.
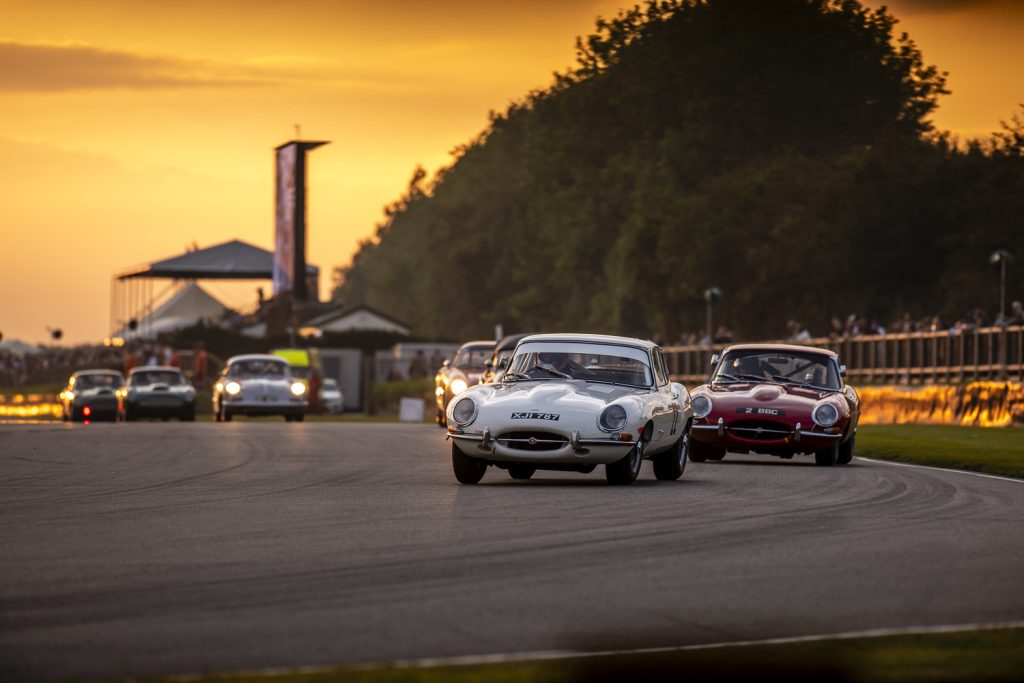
point(842, 371)
point(503, 364)
point(715, 359)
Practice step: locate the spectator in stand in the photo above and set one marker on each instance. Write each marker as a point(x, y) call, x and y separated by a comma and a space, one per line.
point(199, 367)
point(1014, 317)
point(875, 327)
point(436, 360)
point(837, 330)
point(796, 332)
point(418, 365)
point(723, 335)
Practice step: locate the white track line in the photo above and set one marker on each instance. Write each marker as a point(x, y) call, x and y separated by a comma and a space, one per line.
point(550, 655)
point(940, 469)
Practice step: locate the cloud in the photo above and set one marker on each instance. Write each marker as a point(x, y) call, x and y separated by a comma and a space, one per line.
point(48, 67)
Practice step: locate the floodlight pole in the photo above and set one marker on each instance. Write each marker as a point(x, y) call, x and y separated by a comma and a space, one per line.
point(1001, 256)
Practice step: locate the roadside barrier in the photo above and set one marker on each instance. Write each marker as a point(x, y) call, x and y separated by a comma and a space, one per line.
point(980, 404)
point(947, 357)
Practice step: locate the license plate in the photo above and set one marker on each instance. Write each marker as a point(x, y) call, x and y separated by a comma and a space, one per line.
point(760, 411)
point(535, 416)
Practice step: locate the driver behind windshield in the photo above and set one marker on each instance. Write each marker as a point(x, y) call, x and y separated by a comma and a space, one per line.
point(561, 363)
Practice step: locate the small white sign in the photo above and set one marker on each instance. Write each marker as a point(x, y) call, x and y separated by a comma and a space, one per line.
point(410, 410)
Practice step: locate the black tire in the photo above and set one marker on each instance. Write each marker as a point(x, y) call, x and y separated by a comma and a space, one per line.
point(626, 470)
point(702, 452)
point(519, 471)
point(129, 415)
point(670, 465)
point(289, 418)
point(827, 457)
point(300, 417)
point(218, 413)
point(225, 415)
point(467, 470)
point(846, 451)
point(441, 420)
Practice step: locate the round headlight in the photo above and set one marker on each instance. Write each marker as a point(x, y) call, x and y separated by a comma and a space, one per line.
point(232, 388)
point(298, 388)
point(464, 412)
point(825, 415)
point(701, 406)
point(613, 419)
point(458, 386)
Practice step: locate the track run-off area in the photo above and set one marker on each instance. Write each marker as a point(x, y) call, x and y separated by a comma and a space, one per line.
point(151, 549)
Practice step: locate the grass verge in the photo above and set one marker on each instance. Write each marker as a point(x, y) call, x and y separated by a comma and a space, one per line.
point(990, 655)
point(992, 450)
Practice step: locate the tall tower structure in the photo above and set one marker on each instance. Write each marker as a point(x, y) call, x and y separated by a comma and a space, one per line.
point(291, 176)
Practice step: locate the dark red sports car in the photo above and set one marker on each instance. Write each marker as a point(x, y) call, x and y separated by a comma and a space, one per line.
point(775, 399)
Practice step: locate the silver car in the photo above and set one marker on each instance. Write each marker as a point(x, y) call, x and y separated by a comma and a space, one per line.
point(573, 402)
point(91, 395)
point(259, 384)
point(157, 391)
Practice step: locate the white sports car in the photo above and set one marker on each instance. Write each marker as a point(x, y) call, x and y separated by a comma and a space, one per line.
point(258, 384)
point(573, 402)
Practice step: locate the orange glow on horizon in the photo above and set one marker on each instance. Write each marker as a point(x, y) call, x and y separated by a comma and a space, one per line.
point(130, 130)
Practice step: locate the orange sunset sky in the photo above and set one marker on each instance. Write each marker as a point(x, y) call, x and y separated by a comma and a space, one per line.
point(131, 129)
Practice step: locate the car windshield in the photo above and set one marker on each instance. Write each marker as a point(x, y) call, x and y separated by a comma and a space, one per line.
point(785, 367)
point(302, 372)
point(259, 369)
point(99, 381)
point(145, 377)
point(584, 361)
point(472, 358)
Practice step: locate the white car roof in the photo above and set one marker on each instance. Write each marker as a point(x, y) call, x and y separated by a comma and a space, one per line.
point(578, 338)
point(257, 356)
point(158, 368)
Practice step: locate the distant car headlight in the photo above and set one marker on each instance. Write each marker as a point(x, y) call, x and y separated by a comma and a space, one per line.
point(613, 419)
point(701, 406)
point(464, 412)
point(458, 386)
point(70, 395)
point(232, 388)
point(298, 388)
point(825, 415)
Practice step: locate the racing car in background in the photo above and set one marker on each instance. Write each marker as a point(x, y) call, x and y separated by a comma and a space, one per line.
point(776, 399)
point(464, 370)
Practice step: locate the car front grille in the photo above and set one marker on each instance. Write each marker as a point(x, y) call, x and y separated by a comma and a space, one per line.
point(532, 441)
point(760, 430)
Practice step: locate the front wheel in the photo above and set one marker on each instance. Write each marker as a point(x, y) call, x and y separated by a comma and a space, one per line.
point(702, 452)
point(669, 465)
point(828, 456)
point(625, 471)
point(846, 451)
point(467, 470)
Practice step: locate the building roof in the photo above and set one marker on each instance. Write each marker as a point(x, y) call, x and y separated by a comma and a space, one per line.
point(326, 319)
point(232, 260)
point(186, 307)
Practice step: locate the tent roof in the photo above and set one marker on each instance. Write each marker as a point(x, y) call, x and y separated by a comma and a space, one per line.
point(186, 307)
point(338, 314)
point(234, 260)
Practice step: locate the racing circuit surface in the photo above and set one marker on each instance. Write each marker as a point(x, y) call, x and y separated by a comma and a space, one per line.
point(165, 548)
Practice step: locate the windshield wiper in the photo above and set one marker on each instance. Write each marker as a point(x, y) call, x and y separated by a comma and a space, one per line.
point(515, 376)
point(556, 373)
point(798, 383)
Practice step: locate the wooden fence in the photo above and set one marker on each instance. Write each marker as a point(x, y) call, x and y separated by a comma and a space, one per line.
point(987, 353)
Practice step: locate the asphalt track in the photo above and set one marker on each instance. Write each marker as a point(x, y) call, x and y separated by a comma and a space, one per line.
point(164, 548)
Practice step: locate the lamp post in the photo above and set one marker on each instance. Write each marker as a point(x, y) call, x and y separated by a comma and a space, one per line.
point(1000, 257)
point(711, 295)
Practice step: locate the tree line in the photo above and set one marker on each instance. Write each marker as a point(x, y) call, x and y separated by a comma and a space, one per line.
point(781, 151)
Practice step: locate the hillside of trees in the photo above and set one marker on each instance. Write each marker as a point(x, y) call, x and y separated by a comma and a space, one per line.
point(781, 151)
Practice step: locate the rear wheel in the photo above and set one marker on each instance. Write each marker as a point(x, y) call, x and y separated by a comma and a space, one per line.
point(519, 471)
point(467, 470)
point(669, 465)
point(625, 471)
point(846, 451)
point(828, 456)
